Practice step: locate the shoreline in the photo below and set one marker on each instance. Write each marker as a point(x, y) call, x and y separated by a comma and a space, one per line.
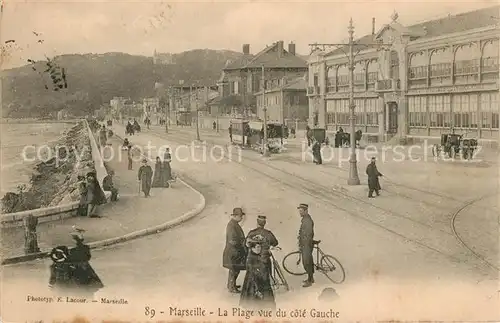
point(52, 183)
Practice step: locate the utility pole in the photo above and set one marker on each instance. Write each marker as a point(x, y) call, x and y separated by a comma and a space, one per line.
point(167, 108)
point(353, 167)
point(264, 141)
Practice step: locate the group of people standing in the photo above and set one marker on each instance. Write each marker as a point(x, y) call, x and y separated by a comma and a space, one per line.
point(132, 127)
point(71, 272)
point(253, 255)
point(162, 173)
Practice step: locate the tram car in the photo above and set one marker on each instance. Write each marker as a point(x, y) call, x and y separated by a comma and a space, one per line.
point(251, 133)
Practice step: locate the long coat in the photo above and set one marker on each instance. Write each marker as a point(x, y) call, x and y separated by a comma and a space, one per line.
point(235, 252)
point(306, 239)
point(95, 194)
point(159, 176)
point(256, 292)
point(167, 158)
point(373, 175)
point(145, 175)
point(84, 275)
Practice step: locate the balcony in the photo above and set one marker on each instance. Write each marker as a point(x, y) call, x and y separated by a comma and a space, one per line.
point(313, 90)
point(391, 85)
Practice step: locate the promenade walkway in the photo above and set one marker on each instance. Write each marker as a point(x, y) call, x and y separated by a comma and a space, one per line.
point(132, 212)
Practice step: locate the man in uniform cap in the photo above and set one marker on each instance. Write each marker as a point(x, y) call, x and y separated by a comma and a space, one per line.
point(306, 243)
point(235, 252)
point(268, 240)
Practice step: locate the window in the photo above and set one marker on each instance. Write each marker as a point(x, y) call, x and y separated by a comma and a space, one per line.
point(465, 111)
point(439, 111)
point(316, 80)
point(236, 87)
point(440, 70)
point(467, 67)
point(418, 72)
point(489, 110)
point(330, 112)
point(342, 108)
point(417, 107)
point(359, 111)
point(371, 112)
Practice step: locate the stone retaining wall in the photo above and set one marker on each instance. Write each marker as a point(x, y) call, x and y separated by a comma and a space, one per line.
point(63, 210)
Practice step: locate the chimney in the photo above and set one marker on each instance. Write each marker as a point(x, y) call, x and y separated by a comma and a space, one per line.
point(291, 48)
point(373, 26)
point(246, 49)
point(280, 48)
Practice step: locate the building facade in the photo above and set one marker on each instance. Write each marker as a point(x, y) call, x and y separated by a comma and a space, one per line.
point(423, 80)
point(243, 78)
point(286, 103)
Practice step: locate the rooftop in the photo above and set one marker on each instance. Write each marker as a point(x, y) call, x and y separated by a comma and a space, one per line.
point(269, 57)
point(439, 27)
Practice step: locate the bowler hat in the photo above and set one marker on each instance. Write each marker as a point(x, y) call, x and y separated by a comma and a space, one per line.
point(303, 206)
point(238, 211)
point(261, 217)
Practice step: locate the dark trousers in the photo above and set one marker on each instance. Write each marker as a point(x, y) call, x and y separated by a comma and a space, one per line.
point(231, 278)
point(370, 191)
point(307, 261)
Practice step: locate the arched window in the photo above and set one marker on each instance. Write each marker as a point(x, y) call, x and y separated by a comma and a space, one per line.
point(418, 65)
point(394, 65)
point(467, 63)
point(440, 62)
point(343, 78)
point(330, 78)
point(489, 57)
point(359, 73)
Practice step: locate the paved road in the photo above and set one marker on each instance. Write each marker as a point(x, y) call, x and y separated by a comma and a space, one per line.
point(387, 273)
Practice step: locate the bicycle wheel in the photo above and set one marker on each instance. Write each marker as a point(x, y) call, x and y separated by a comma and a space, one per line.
point(281, 276)
point(332, 269)
point(291, 266)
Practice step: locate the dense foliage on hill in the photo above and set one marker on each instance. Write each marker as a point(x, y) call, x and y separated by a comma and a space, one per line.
point(94, 79)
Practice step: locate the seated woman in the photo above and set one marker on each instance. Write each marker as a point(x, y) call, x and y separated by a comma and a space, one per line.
point(107, 185)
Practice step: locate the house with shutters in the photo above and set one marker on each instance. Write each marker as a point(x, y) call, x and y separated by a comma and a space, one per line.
point(416, 81)
point(241, 79)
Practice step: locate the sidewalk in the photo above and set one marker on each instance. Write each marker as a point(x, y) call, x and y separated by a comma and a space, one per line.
point(129, 214)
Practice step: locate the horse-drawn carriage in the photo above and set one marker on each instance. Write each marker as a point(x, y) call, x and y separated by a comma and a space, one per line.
point(343, 139)
point(454, 144)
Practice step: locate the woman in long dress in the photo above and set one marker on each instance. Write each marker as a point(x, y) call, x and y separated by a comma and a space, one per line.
point(159, 175)
point(256, 292)
point(167, 170)
point(85, 278)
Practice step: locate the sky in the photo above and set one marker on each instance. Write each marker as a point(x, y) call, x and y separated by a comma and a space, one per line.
point(140, 27)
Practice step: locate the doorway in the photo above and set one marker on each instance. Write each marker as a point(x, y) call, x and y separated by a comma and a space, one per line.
point(392, 108)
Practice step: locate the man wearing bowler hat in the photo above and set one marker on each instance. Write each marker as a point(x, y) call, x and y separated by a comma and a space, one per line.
point(306, 242)
point(235, 252)
point(373, 175)
point(268, 240)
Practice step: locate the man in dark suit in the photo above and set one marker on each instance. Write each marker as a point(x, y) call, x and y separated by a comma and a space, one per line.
point(306, 243)
point(373, 175)
point(235, 252)
point(268, 240)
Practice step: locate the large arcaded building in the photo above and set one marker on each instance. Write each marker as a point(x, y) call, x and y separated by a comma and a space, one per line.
point(432, 78)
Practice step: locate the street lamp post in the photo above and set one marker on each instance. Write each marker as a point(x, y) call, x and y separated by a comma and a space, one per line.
point(264, 141)
point(167, 108)
point(353, 167)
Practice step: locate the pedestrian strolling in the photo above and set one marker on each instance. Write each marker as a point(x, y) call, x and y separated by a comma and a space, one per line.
point(235, 252)
point(145, 175)
point(159, 174)
point(373, 181)
point(129, 157)
point(306, 243)
point(316, 149)
point(85, 278)
point(167, 159)
point(256, 292)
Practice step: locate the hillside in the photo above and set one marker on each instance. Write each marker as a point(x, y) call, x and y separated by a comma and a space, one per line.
point(94, 79)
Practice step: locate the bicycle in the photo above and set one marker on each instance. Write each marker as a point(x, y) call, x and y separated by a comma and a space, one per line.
point(327, 264)
point(277, 275)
